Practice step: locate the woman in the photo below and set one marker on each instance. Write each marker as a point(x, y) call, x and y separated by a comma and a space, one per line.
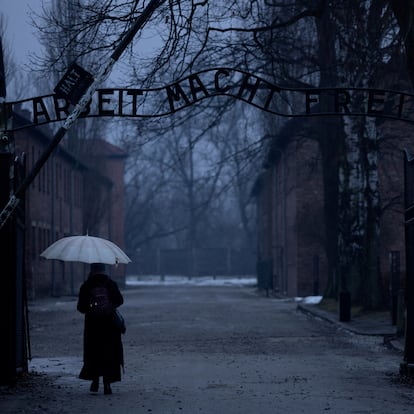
point(99, 296)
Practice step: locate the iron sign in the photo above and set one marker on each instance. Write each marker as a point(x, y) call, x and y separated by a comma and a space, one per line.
point(247, 87)
point(74, 84)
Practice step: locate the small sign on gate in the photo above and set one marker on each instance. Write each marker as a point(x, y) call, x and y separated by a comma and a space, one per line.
point(74, 83)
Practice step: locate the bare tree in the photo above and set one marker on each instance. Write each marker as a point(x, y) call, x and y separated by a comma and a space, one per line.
point(308, 43)
point(404, 11)
point(15, 88)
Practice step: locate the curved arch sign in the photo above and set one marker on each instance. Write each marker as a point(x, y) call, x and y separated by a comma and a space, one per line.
point(247, 87)
point(77, 96)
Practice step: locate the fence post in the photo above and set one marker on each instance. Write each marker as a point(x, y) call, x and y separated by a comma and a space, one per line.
point(394, 284)
point(229, 262)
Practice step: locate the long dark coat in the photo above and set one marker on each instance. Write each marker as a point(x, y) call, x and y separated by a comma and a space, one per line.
point(102, 344)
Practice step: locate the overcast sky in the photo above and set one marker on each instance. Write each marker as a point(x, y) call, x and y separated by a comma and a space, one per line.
point(19, 32)
point(20, 35)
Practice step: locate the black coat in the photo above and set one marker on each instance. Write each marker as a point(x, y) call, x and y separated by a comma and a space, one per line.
point(102, 344)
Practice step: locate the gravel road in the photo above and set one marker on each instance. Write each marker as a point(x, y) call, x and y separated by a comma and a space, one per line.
point(218, 350)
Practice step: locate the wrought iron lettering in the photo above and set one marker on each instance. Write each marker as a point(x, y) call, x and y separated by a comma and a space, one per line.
point(247, 87)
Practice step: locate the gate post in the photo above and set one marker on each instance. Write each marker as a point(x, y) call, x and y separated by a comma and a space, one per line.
point(8, 290)
point(407, 366)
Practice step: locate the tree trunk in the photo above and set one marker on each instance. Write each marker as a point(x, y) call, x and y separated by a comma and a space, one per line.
point(359, 203)
point(404, 13)
point(329, 135)
point(358, 241)
point(329, 140)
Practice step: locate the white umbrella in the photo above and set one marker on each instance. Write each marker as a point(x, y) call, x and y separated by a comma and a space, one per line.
point(86, 249)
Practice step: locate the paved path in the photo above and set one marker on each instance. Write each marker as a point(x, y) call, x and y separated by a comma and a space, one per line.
point(218, 350)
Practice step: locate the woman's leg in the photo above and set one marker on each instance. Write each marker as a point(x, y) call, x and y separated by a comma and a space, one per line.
point(107, 388)
point(95, 385)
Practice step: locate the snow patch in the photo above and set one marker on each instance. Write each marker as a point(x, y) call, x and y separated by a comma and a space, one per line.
point(309, 300)
point(195, 281)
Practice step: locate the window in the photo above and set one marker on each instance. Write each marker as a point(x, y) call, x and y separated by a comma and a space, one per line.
point(39, 180)
point(33, 243)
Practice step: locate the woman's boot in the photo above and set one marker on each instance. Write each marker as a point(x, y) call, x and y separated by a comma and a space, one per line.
point(107, 388)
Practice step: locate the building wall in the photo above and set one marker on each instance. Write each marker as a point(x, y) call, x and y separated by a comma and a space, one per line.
point(297, 233)
point(310, 228)
point(287, 203)
point(55, 208)
point(395, 138)
point(110, 162)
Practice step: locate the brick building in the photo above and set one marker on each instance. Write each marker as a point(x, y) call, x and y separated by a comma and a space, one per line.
point(289, 196)
point(72, 195)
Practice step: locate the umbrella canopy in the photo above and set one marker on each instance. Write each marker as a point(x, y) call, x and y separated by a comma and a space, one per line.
point(86, 249)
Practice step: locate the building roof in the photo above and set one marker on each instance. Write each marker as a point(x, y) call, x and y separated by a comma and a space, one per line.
point(106, 149)
point(44, 135)
point(101, 148)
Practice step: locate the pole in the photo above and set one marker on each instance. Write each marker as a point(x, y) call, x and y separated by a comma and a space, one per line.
point(80, 106)
point(407, 366)
point(7, 245)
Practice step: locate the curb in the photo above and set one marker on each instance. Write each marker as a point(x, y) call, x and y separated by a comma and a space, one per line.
point(326, 317)
point(390, 339)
